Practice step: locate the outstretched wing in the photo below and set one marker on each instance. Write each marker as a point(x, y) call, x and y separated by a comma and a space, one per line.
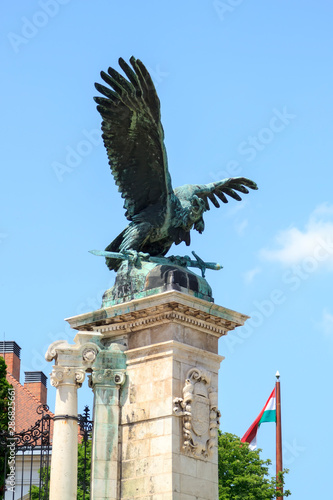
point(133, 136)
point(220, 189)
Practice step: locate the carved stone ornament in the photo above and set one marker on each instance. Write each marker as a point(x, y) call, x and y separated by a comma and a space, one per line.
point(198, 407)
point(89, 355)
point(62, 375)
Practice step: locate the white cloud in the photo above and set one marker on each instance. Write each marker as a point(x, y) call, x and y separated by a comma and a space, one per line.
point(326, 324)
point(323, 209)
point(249, 275)
point(315, 241)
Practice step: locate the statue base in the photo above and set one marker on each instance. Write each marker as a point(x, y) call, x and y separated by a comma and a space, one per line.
point(147, 278)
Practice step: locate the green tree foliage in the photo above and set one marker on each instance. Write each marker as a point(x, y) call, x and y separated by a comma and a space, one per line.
point(44, 495)
point(243, 475)
point(4, 387)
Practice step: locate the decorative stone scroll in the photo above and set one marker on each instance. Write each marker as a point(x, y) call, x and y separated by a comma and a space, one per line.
point(82, 354)
point(198, 407)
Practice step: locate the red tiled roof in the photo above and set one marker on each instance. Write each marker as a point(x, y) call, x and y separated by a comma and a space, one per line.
point(26, 405)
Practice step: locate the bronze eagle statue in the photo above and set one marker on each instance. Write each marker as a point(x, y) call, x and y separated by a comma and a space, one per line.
point(134, 139)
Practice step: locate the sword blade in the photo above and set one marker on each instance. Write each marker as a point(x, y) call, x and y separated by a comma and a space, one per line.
point(158, 260)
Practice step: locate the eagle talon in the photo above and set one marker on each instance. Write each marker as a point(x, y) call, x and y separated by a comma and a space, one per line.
point(144, 255)
point(133, 257)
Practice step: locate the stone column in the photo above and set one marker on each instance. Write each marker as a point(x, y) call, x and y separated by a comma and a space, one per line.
point(71, 363)
point(106, 379)
point(65, 433)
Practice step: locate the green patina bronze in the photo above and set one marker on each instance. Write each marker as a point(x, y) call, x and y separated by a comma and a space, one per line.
point(134, 139)
point(148, 278)
point(138, 257)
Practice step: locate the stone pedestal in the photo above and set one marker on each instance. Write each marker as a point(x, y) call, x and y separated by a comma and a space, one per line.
point(168, 416)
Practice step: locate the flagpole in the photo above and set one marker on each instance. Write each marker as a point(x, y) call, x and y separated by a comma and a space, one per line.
point(278, 434)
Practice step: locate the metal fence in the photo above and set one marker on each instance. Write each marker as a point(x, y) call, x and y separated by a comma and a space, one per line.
point(25, 459)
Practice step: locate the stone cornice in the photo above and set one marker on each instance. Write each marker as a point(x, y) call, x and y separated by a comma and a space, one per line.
point(158, 309)
point(171, 348)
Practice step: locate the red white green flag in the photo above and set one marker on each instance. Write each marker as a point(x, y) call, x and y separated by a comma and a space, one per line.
point(267, 414)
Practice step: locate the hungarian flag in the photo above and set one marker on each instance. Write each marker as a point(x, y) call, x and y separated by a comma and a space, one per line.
point(267, 414)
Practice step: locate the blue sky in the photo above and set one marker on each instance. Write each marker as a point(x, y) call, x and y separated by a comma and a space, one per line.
point(245, 89)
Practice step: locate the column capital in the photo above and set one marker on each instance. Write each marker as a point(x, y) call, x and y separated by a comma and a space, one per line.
point(81, 354)
point(108, 377)
point(67, 375)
